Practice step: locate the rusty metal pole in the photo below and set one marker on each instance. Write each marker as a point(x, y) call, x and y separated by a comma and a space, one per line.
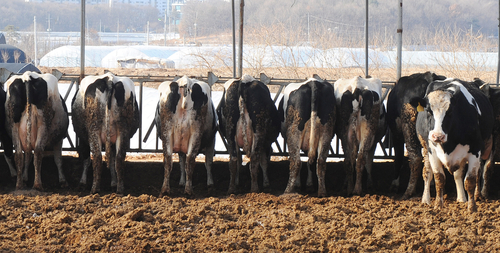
point(498, 64)
point(240, 58)
point(400, 40)
point(234, 39)
point(366, 40)
point(82, 42)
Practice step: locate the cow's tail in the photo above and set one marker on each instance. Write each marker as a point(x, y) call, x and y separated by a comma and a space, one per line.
point(313, 137)
point(107, 122)
point(242, 107)
point(28, 113)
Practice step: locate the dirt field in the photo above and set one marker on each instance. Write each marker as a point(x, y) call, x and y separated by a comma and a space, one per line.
point(71, 220)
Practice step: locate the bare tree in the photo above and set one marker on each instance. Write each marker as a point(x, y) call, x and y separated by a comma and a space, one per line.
point(5, 56)
point(17, 55)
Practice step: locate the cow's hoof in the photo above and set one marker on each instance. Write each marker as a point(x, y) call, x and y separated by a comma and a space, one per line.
point(120, 190)
point(164, 192)
point(210, 190)
point(310, 189)
point(94, 190)
point(407, 196)
point(64, 184)
point(231, 190)
point(321, 194)
point(81, 187)
point(38, 188)
point(472, 207)
point(357, 192)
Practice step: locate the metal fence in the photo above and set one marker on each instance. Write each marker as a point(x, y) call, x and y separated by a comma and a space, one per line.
point(384, 151)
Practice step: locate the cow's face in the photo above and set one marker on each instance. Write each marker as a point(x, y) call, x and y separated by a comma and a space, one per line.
point(438, 108)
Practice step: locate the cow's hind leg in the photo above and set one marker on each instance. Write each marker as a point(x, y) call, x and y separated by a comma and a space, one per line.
point(182, 165)
point(8, 154)
point(190, 163)
point(295, 164)
point(37, 185)
point(209, 159)
point(84, 155)
point(470, 181)
point(415, 158)
point(19, 157)
point(96, 148)
point(58, 161)
point(167, 164)
point(112, 165)
point(28, 159)
point(264, 164)
point(121, 152)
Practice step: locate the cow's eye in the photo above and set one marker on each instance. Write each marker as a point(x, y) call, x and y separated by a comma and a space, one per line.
point(429, 111)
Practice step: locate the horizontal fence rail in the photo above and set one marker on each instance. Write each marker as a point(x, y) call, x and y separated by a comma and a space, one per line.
point(383, 151)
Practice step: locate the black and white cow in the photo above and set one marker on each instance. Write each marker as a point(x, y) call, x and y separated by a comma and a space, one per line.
point(105, 113)
point(308, 124)
point(401, 118)
point(186, 123)
point(359, 113)
point(455, 128)
point(483, 185)
point(37, 118)
point(5, 136)
point(248, 119)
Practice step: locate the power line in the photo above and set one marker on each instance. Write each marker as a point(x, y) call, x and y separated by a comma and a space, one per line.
point(335, 22)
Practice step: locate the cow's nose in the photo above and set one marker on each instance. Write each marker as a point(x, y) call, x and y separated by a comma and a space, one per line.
point(437, 137)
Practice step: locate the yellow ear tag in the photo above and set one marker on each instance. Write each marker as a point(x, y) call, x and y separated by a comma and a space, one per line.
point(420, 108)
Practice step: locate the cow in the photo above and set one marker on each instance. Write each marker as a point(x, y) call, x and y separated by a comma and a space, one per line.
point(105, 113)
point(483, 185)
point(186, 123)
point(248, 119)
point(454, 125)
point(7, 144)
point(401, 119)
point(359, 112)
point(307, 113)
point(37, 120)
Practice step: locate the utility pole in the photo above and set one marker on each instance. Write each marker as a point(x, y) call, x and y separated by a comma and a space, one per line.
point(400, 40)
point(165, 29)
point(49, 30)
point(147, 34)
point(34, 40)
point(240, 60)
point(366, 40)
point(234, 39)
point(82, 41)
point(117, 31)
point(308, 31)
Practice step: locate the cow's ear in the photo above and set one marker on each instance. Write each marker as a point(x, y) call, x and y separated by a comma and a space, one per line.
point(478, 82)
point(485, 88)
point(435, 77)
point(418, 103)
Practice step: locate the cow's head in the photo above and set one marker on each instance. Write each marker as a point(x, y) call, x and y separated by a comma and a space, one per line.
point(443, 101)
point(435, 107)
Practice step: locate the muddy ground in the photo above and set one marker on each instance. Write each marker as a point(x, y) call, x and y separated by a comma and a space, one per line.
point(71, 220)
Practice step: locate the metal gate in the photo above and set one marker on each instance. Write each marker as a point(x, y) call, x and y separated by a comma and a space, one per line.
point(384, 151)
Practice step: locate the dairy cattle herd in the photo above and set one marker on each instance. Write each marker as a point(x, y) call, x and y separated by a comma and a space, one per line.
point(444, 123)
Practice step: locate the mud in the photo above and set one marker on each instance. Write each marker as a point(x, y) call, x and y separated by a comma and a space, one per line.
point(71, 220)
